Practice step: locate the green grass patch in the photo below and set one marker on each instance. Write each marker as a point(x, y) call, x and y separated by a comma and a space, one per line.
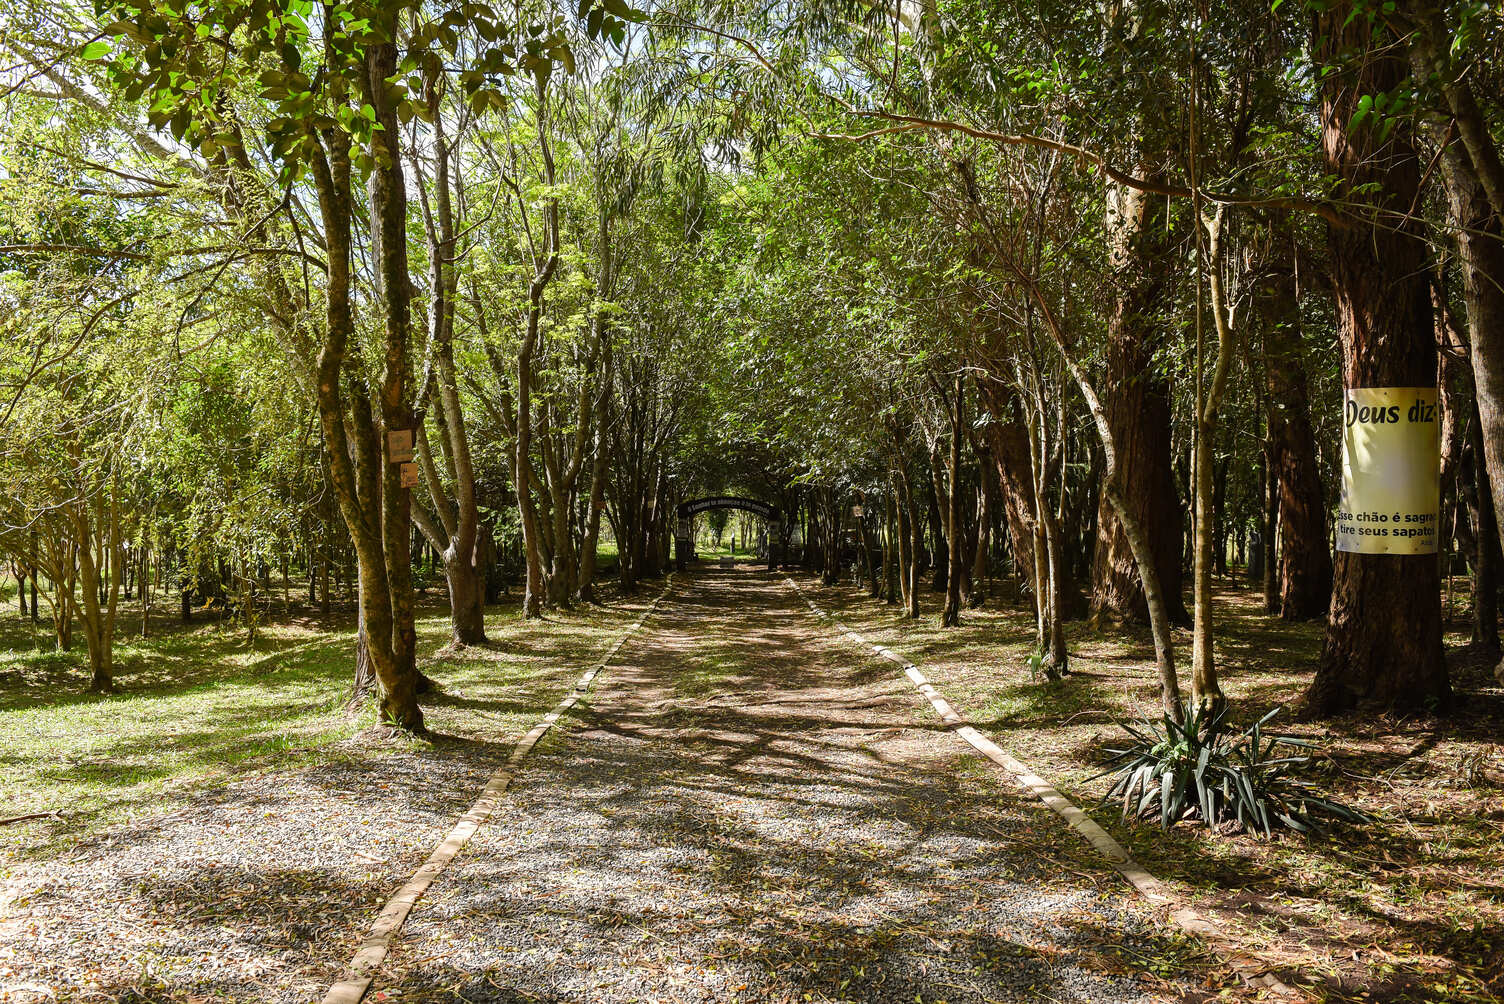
point(197, 706)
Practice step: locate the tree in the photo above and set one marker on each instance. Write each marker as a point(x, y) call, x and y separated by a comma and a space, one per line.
point(1383, 637)
point(333, 96)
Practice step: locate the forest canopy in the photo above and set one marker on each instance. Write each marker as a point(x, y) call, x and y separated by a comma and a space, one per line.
point(1076, 291)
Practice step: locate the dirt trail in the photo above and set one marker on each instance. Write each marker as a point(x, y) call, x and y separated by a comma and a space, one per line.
point(748, 810)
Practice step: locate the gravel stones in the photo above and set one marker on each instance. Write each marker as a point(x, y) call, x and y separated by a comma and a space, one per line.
point(816, 838)
point(743, 810)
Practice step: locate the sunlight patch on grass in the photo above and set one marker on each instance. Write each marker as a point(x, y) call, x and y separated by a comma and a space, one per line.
point(197, 706)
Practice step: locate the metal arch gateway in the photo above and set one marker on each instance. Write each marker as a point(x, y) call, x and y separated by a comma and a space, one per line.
point(689, 507)
point(755, 506)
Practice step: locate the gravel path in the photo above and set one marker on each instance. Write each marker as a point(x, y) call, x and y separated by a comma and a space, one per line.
point(255, 891)
point(260, 889)
point(745, 811)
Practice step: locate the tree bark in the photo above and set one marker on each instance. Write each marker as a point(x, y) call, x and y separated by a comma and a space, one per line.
point(1480, 253)
point(978, 593)
point(351, 442)
point(535, 588)
point(1137, 403)
point(1474, 174)
point(1383, 639)
point(1305, 557)
point(950, 615)
point(459, 521)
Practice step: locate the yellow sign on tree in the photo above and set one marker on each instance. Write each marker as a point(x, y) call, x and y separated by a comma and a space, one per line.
point(1391, 471)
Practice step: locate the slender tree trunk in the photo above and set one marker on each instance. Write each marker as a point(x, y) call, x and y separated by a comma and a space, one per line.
point(1269, 514)
point(1488, 559)
point(1206, 692)
point(950, 616)
point(1480, 247)
point(145, 589)
point(600, 462)
point(1305, 557)
point(1474, 173)
point(978, 594)
point(534, 591)
point(891, 549)
point(1138, 539)
point(909, 534)
point(458, 545)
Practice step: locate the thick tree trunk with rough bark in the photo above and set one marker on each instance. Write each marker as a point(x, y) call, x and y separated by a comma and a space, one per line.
point(1137, 404)
point(1009, 444)
point(1383, 639)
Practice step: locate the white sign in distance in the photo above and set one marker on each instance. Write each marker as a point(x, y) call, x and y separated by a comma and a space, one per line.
point(1391, 471)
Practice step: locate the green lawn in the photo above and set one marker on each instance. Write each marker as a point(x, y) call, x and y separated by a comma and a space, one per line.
point(196, 706)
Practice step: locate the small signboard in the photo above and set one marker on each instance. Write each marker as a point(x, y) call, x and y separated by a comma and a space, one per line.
point(399, 447)
point(683, 533)
point(409, 475)
point(1391, 471)
point(858, 511)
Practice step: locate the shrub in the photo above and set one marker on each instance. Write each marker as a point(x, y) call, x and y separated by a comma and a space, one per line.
point(1203, 770)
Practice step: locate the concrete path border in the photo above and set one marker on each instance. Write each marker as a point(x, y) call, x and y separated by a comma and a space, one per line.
point(373, 950)
point(1253, 971)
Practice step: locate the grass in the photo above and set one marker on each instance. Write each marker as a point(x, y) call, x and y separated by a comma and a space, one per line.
point(197, 707)
point(1409, 909)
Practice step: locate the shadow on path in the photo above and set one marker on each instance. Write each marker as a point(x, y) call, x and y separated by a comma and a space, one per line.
point(748, 810)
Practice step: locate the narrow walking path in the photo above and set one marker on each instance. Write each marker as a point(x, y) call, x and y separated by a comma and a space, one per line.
point(745, 810)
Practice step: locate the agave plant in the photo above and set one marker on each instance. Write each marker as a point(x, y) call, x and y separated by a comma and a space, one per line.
point(1202, 769)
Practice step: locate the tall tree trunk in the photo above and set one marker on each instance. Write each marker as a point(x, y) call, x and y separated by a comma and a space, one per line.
point(1480, 247)
point(388, 192)
point(950, 615)
point(1137, 402)
point(1305, 557)
point(1474, 173)
point(1383, 639)
point(352, 442)
point(601, 460)
point(892, 561)
point(939, 555)
point(534, 590)
point(978, 593)
point(1206, 692)
point(910, 538)
point(1269, 520)
point(458, 544)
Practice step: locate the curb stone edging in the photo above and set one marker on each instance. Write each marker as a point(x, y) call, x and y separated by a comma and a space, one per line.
point(373, 950)
point(1250, 968)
